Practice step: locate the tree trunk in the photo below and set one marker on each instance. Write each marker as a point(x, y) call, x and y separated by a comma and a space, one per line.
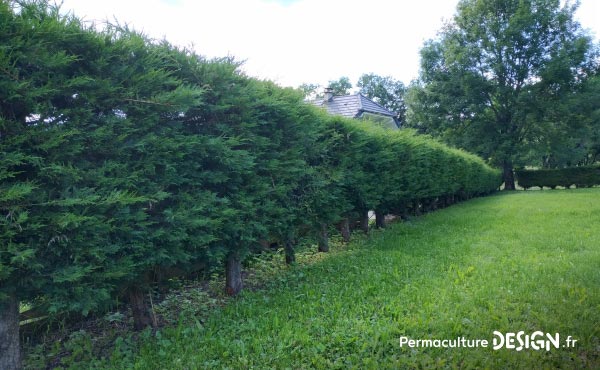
point(379, 219)
point(290, 256)
point(508, 176)
point(426, 205)
point(323, 239)
point(10, 351)
point(404, 213)
point(233, 274)
point(345, 230)
point(417, 208)
point(139, 309)
point(364, 221)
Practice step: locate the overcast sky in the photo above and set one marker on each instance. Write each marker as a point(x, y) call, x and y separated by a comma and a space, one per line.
point(296, 41)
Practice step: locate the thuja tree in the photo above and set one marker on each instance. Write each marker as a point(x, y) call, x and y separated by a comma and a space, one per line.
point(289, 128)
point(39, 205)
point(186, 170)
point(103, 186)
point(332, 201)
point(327, 203)
point(428, 174)
point(294, 162)
point(400, 172)
point(389, 171)
point(365, 163)
point(265, 176)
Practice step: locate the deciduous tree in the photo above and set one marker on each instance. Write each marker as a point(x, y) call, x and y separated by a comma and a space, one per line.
point(386, 91)
point(494, 70)
point(341, 86)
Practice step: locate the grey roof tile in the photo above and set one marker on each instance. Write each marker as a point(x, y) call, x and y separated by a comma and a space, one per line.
point(352, 106)
point(367, 105)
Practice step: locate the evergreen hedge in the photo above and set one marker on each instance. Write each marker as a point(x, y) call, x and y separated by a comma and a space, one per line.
point(126, 161)
point(581, 177)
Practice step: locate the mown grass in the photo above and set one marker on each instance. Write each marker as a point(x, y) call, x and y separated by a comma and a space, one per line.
point(522, 261)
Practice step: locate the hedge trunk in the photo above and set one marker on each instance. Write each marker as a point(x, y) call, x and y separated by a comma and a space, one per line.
point(417, 211)
point(364, 221)
point(430, 204)
point(10, 351)
point(379, 219)
point(508, 176)
point(323, 239)
point(139, 309)
point(345, 230)
point(233, 274)
point(290, 256)
point(451, 200)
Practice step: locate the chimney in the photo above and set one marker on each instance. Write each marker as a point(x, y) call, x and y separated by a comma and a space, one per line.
point(328, 94)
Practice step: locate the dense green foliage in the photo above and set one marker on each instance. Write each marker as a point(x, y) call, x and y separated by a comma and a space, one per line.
point(90, 133)
point(340, 86)
point(395, 169)
point(574, 137)
point(500, 79)
point(582, 177)
point(126, 161)
point(520, 261)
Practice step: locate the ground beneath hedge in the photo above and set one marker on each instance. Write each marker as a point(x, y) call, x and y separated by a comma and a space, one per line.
point(522, 261)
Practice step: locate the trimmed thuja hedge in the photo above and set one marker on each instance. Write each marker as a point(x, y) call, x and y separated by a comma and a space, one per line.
point(125, 162)
point(581, 177)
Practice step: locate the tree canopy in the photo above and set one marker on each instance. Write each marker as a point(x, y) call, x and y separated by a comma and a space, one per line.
point(489, 81)
point(341, 86)
point(385, 91)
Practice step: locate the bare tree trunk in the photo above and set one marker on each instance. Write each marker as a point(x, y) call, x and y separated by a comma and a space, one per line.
point(508, 176)
point(379, 219)
point(290, 256)
point(233, 274)
point(404, 213)
point(417, 208)
point(364, 221)
point(323, 239)
point(434, 204)
point(139, 309)
point(10, 351)
point(345, 230)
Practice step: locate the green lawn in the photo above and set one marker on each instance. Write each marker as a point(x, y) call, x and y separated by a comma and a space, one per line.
point(522, 261)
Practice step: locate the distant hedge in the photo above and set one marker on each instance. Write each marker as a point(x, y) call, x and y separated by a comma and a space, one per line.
point(402, 172)
point(581, 177)
point(126, 162)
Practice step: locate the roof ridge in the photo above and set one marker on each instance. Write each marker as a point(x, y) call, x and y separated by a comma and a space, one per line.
point(353, 105)
point(377, 104)
point(360, 104)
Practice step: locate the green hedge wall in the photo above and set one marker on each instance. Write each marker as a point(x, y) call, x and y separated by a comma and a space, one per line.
point(581, 177)
point(387, 170)
point(125, 162)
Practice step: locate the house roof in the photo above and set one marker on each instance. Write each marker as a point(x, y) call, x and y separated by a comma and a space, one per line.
point(352, 106)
